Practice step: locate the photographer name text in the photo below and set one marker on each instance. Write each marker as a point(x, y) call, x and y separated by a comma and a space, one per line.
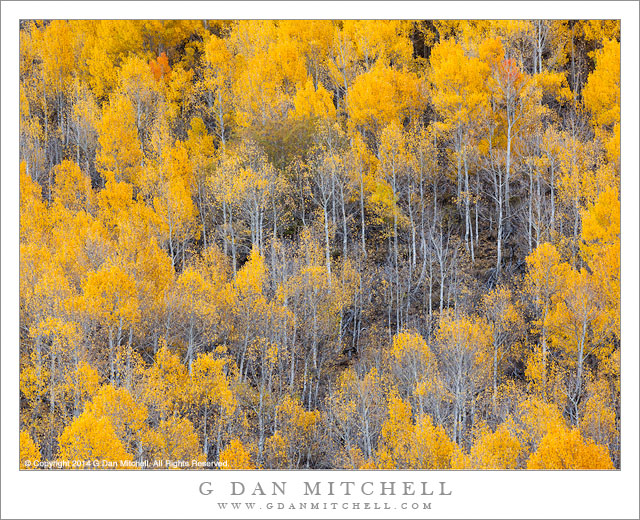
point(328, 488)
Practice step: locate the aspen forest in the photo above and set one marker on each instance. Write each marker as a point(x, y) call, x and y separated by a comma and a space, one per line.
point(289, 244)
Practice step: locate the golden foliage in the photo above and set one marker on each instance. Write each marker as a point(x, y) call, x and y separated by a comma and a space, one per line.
point(496, 450)
point(236, 456)
point(91, 437)
point(565, 448)
point(28, 451)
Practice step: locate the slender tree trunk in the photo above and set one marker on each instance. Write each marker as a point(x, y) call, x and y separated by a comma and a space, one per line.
point(442, 260)
point(495, 377)
point(544, 358)
point(362, 224)
point(190, 345)
point(233, 241)
point(225, 245)
point(112, 370)
point(344, 223)
point(261, 422)
point(52, 399)
point(499, 204)
point(129, 346)
point(468, 226)
point(538, 215)
point(530, 226)
point(579, 370)
point(553, 199)
point(205, 433)
point(223, 137)
point(507, 175)
point(395, 252)
point(201, 211)
point(477, 199)
point(326, 241)
point(171, 249)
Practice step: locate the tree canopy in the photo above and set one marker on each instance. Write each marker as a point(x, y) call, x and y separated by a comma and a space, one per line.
point(321, 244)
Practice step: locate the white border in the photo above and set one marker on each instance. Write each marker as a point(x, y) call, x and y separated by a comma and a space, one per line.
point(163, 495)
